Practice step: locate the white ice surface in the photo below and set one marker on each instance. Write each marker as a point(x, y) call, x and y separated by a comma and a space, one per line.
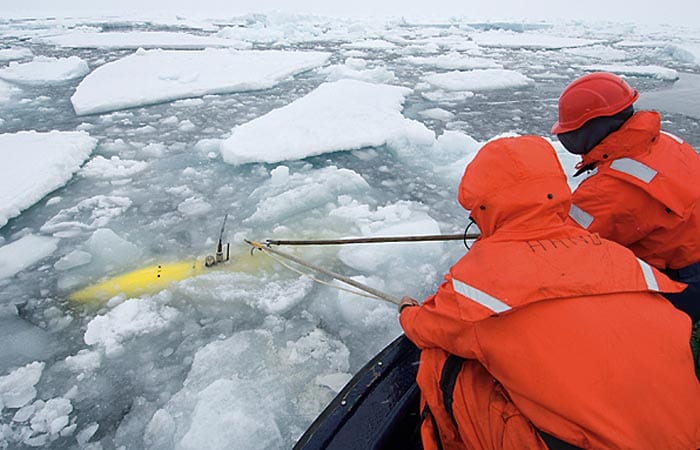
point(34, 164)
point(17, 388)
point(40, 423)
point(357, 69)
point(141, 39)
point(436, 114)
point(11, 54)
point(529, 40)
point(687, 52)
point(343, 115)
point(660, 73)
point(479, 80)
point(108, 249)
point(289, 195)
point(229, 379)
point(45, 70)
point(89, 214)
point(24, 252)
point(370, 44)
point(126, 321)
point(154, 76)
point(393, 220)
point(598, 52)
point(453, 61)
point(102, 168)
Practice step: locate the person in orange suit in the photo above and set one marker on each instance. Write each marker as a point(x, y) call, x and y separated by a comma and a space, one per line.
point(642, 190)
point(545, 334)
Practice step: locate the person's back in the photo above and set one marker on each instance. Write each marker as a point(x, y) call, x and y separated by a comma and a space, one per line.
point(605, 371)
point(641, 190)
point(569, 324)
point(647, 179)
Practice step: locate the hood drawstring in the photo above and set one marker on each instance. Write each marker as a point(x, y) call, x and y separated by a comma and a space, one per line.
point(466, 232)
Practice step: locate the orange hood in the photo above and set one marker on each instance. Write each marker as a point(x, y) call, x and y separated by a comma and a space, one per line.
point(515, 184)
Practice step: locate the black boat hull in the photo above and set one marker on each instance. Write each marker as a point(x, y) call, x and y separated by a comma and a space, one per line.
point(377, 409)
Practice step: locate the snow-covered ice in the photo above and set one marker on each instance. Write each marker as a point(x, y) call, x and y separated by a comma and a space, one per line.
point(598, 52)
point(35, 164)
point(153, 76)
point(370, 44)
point(357, 69)
point(12, 54)
point(453, 61)
point(126, 321)
point(18, 387)
point(529, 40)
point(299, 193)
point(479, 80)
point(88, 214)
point(24, 252)
point(687, 52)
point(44, 70)
point(660, 73)
point(141, 39)
point(343, 115)
point(102, 168)
point(437, 114)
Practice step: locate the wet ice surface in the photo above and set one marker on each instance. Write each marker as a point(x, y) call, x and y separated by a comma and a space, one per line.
point(247, 359)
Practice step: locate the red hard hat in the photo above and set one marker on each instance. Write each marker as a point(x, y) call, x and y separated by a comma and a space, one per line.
point(599, 94)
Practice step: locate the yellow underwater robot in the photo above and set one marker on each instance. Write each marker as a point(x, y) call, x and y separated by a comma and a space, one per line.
point(152, 279)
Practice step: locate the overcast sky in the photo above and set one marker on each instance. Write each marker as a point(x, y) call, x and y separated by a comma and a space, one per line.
point(678, 12)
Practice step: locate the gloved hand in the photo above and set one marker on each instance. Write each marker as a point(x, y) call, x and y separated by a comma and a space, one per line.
point(407, 301)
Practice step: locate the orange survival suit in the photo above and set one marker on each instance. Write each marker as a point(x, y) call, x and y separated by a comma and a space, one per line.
point(561, 331)
point(643, 193)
